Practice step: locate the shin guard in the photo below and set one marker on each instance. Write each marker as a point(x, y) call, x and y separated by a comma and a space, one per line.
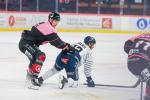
point(36, 66)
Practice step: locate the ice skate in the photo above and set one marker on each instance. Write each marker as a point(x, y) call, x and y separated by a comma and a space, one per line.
point(34, 84)
point(40, 81)
point(32, 81)
point(62, 81)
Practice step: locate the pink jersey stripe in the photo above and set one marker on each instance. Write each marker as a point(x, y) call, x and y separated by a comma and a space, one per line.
point(138, 56)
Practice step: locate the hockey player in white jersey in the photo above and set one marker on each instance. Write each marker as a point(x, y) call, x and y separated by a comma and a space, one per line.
point(70, 61)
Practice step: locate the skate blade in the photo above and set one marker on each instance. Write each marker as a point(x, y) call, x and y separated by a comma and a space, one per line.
point(29, 85)
point(32, 87)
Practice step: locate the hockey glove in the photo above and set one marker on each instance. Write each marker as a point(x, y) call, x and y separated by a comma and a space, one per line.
point(128, 46)
point(70, 49)
point(90, 82)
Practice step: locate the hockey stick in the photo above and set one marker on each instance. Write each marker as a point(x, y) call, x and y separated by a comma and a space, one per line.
point(119, 86)
point(141, 91)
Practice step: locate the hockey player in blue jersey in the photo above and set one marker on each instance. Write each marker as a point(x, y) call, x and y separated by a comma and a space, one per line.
point(70, 61)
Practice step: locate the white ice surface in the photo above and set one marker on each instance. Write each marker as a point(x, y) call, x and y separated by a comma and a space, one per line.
point(109, 68)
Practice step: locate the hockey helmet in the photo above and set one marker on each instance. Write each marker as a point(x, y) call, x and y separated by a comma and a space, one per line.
point(54, 16)
point(128, 46)
point(89, 39)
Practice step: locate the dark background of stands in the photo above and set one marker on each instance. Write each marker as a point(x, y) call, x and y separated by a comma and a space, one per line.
point(130, 7)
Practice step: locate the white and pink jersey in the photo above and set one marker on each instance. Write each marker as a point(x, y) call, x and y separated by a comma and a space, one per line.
point(46, 28)
point(44, 33)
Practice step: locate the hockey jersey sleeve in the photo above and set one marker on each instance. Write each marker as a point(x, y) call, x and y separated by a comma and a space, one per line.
point(88, 63)
point(55, 40)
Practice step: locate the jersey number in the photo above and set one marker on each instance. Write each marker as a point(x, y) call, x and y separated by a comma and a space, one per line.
point(147, 45)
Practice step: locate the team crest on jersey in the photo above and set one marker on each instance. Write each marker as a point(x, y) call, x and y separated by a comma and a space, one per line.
point(65, 60)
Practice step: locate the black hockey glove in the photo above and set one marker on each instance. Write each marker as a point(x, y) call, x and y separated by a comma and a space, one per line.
point(70, 49)
point(128, 46)
point(90, 82)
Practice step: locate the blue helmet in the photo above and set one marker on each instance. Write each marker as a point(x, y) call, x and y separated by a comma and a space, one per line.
point(89, 39)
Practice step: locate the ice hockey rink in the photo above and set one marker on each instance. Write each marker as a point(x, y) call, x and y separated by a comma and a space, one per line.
point(109, 68)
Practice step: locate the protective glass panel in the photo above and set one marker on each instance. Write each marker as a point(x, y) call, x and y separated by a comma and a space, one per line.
point(67, 6)
point(47, 5)
point(2, 5)
point(29, 5)
point(13, 5)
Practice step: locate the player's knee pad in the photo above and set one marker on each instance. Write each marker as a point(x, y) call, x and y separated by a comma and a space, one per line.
point(40, 57)
point(37, 64)
point(35, 68)
point(146, 75)
point(72, 83)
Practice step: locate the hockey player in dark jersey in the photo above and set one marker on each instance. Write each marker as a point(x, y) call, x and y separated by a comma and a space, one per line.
point(138, 50)
point(39, 34)
point(70, 62)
